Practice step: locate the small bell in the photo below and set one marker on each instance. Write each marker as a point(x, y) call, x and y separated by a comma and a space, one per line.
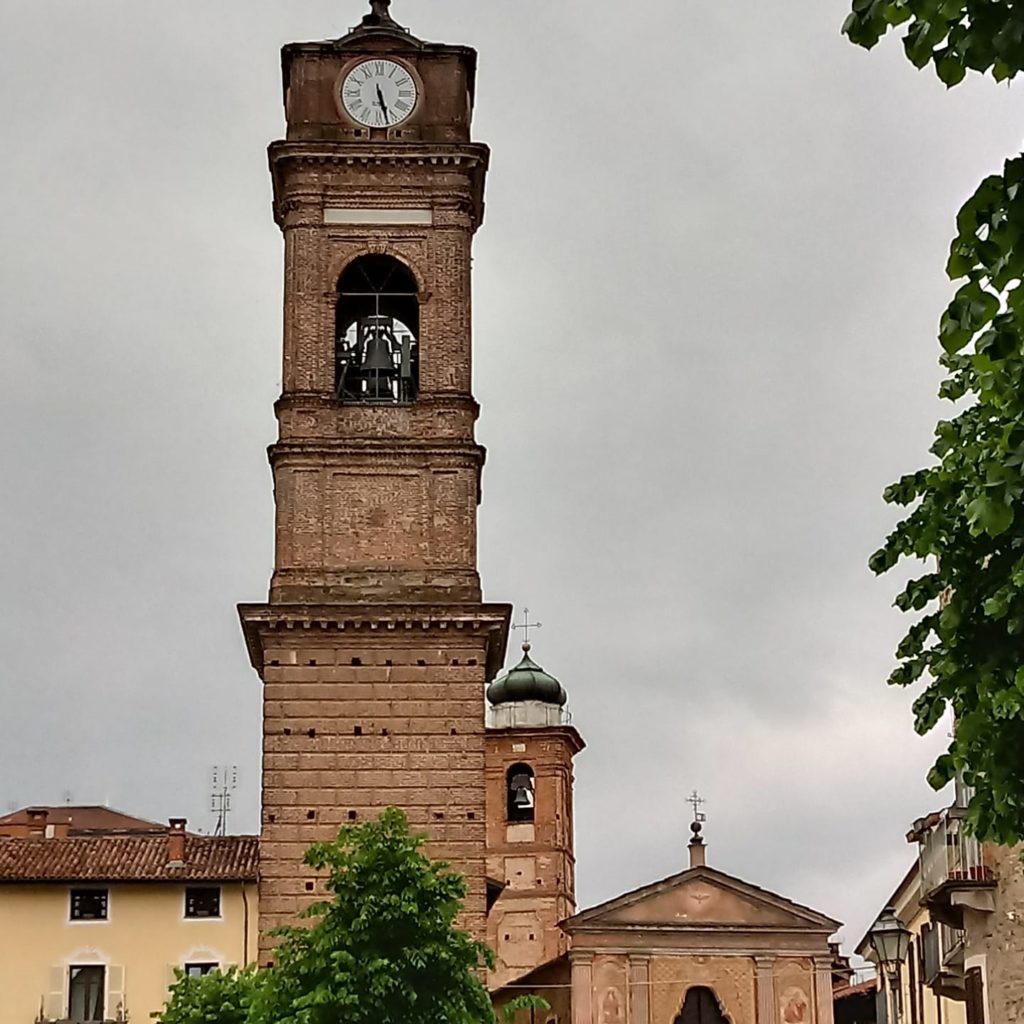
point(523, 798)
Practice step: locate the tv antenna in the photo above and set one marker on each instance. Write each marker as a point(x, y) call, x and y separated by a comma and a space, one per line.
point(223, 782)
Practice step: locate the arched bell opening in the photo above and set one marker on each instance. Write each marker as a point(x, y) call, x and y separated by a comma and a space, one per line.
point(377, 328)
point(701, 1006)
point(520, 793)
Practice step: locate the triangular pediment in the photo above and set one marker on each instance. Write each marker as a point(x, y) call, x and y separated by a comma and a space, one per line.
point(701, 898)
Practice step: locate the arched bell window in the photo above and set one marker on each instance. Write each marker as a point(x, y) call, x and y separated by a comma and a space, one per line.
point(377, 326)
point(520, 792)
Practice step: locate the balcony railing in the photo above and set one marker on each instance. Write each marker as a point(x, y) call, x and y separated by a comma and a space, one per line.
point(949, 855)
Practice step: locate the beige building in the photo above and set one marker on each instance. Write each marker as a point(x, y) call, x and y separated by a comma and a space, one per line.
point(97, 909)
point(974, 892)
point(932, 980)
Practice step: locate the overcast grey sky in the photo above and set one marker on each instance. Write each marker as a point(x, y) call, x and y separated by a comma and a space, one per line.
point(706, 295)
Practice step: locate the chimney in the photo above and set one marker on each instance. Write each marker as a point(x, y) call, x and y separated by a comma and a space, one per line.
point(698, 851)
point(37, 822)
point(176, 843)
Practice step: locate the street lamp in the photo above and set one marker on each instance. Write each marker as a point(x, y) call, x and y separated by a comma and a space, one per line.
point(890, 940)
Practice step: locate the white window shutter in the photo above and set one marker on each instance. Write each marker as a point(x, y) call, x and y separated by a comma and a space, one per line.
point(116, 1009)
point(55, 1005)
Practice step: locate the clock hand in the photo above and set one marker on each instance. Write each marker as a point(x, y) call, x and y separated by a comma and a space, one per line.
point(383, 105)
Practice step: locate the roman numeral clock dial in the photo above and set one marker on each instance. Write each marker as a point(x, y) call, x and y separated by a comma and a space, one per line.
point(379, 93)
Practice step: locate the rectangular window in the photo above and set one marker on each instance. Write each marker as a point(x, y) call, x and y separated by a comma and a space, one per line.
point(89, 904)
point(85, 994)
point(975, 997)
point(200, 970)
point(202, 901)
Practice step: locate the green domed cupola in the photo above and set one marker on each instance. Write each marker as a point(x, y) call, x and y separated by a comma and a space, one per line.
point(527, 681)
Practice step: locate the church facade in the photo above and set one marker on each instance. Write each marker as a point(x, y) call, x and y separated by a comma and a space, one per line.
point(374, 646)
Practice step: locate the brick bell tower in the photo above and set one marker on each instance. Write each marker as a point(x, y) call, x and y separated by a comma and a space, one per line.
point(374, 646)
point(531, 860)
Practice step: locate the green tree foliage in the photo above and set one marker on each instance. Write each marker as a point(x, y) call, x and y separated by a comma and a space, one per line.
point(966, 517)
point(511, 1010)
point(955, 36)
point(214, 998)
point(384, 949)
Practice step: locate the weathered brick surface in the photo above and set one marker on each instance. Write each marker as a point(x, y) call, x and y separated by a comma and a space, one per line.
point(1004, 945)
point(370, 701)
point(343, 742)
point(536, 862)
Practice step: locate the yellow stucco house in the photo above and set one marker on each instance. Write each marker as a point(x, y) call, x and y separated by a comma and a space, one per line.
point(931, 980)
point(97, 909)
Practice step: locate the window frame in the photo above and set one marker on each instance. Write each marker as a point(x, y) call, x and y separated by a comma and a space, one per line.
point(194, 968)
point(104, 971)
point(88, 890)
point(189, 889)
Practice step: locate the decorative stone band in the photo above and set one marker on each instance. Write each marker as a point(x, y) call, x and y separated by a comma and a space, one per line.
point(259, 622)
point(363, 215)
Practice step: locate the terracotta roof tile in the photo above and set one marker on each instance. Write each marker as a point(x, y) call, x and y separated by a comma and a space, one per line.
point(80, 819)
point(128, 858)
point(860, 989)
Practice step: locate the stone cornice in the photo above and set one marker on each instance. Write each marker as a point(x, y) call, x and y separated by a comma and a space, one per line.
point(473, 158)
point(387, 448)
point(420, 154)
point(491, 620)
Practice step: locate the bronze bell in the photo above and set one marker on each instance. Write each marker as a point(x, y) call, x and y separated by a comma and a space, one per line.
point(378, 353)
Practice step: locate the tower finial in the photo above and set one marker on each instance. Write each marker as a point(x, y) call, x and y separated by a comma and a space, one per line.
point(526, 625)
point(379, 14)
point(698, 853)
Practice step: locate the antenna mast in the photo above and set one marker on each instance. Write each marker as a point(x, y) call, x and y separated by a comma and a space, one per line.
point(223, 782)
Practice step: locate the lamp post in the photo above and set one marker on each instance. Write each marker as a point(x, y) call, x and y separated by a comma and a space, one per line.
point(890, 940)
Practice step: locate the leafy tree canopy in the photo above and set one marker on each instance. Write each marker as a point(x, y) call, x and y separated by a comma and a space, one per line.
point(217, 998)
point(955, 36)
point(966, 517)
point(384, 949)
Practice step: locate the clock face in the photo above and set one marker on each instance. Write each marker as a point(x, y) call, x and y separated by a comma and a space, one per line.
point(379, 93)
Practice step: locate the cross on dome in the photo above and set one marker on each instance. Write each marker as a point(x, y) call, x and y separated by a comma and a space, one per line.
point(526, 625)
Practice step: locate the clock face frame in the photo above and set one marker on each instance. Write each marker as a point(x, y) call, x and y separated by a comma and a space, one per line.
point(379, 93)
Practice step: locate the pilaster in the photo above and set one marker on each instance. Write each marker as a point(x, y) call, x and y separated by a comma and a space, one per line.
point(823, 991)
point(639, 990)
point(582, 987)
point(765, 968)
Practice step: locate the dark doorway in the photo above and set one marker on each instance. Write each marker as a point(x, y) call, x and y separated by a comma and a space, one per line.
point(701, 1007)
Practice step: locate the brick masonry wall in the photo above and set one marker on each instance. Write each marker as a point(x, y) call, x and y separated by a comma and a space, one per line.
point(376, 506)
point(535, 861)
point(343, 741)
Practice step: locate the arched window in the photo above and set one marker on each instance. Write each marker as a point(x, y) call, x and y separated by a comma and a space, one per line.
point(520, 792)
point(377, 326)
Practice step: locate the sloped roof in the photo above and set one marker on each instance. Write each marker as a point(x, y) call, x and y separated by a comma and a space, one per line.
point(128, 858)
point(84, 819)
point(860, 989)
point(702, 898)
